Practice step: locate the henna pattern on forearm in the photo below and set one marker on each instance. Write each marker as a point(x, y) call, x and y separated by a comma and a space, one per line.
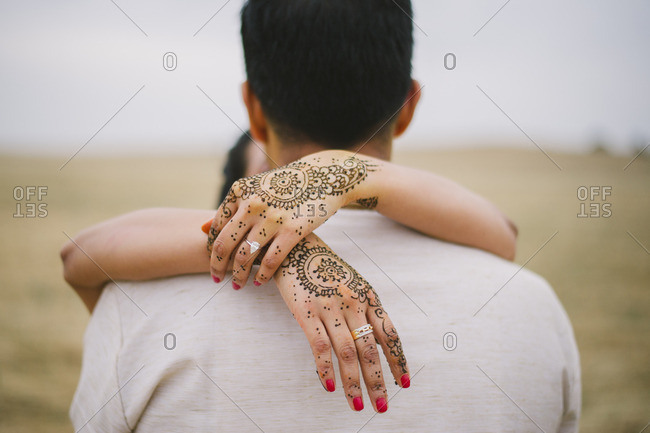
point(323, 273)
point(298, 182)
point(368, 203)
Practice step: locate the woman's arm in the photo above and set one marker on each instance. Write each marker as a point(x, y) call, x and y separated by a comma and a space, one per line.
point(277, 208)
point(437, 207)
point(141, 245)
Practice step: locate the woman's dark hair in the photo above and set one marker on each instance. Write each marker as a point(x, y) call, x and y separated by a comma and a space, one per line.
point(331, 71)
point(235, 167)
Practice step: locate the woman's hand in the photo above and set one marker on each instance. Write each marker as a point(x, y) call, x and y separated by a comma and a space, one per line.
point(276, 209)
point(329, 299)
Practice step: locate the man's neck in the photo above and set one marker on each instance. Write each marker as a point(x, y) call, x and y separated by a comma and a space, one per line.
point(283, 154)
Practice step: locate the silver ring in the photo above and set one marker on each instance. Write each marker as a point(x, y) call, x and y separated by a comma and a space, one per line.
point(254, 245)
point(361, 331)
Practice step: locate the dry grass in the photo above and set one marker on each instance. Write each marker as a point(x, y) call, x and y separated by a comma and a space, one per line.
point(599, 272)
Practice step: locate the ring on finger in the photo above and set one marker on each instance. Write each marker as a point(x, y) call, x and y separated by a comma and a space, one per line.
point(254, 245)
point(361, 331)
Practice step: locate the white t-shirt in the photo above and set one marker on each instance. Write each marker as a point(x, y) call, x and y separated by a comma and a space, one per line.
point(184, 354)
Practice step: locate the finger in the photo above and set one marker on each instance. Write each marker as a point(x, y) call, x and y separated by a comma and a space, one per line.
point(243, 260)
point(248, 250)
point(316, 334)
point(321, 349)
point(387, 337)
point(370, 364)
point(225, 211)
point(346, 353)
point(228, 239)
point(220, 218)
point(275, 255)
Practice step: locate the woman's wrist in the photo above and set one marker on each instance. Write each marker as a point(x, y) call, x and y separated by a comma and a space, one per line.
point(369, 191)
point(358, 174)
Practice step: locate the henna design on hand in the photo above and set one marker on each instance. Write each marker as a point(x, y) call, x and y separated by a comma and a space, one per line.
point(294, 184)
point(298, 182)
point(323, 273)
point(394, 344)
point(212, 236)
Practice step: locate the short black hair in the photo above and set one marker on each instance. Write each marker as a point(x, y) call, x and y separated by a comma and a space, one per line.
point(332, 71)
point(235, 167)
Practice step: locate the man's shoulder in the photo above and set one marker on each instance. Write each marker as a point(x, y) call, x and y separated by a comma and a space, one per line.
point(378, 236)
point(389, 254)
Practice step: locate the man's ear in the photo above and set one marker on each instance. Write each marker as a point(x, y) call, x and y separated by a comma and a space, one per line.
point(406, 113)
point(256, 118)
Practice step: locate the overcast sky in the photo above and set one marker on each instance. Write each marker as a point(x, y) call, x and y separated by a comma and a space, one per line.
point(563, 72)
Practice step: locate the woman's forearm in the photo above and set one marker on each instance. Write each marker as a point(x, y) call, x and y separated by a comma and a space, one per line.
point(438, 207)
point(141, 245)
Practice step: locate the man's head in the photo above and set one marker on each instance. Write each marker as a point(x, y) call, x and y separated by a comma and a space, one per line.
point(328, 73)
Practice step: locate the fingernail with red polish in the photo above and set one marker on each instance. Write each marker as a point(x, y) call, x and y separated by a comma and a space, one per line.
point(206, 227)
point(216, 279)
point(330, 385)
point(257, 283)
point(236, 286)
point(358, 403)
point(381, 405)
point(406, 380)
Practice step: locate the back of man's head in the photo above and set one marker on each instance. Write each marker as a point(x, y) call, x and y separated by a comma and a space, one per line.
point(328, 71)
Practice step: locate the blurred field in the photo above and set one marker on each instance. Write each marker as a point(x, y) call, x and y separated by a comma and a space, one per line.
point(601, 274)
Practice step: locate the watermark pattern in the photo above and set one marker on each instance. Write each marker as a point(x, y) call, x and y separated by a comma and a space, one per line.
point(411, 18)
point(449, 61)
point(449, 341)
point(636, 156)
point(511, 399)
point(491, 18)
point(519, 127)
point(169, 341)
point(638, 242)
point(383, 272)
point(102, 127)
point(518, 270)
point(170, 61)
point(30, 201)
point(389, 119)
point(310, 210)
point(130, 19)
point(229, 398)
point(210, 19)
point(105, 273)
point(111, 398)
point(593, 201)
point(259, 146)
